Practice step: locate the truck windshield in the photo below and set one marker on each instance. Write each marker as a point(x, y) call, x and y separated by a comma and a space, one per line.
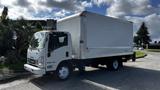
point(37, 40)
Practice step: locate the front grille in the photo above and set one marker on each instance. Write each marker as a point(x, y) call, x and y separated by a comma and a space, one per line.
point(31, 61)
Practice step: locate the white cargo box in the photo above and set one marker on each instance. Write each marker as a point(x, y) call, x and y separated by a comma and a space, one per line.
point(95, 36)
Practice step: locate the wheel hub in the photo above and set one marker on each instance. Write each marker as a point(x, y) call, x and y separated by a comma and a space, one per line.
point(115, 64)
point(63, 72)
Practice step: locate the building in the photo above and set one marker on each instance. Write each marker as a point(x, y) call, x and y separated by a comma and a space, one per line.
point(154, 46)
point(49, 24)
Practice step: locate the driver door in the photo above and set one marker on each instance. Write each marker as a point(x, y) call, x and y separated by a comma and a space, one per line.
point(58, 50)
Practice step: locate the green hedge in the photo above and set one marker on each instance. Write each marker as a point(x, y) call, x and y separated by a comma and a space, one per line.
point(19, 66)
point(140, 54)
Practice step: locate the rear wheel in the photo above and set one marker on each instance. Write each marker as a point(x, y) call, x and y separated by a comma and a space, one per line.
point(63, 71)
point(114, 65)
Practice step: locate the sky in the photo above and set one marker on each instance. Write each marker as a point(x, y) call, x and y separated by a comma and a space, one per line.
point(137, 11)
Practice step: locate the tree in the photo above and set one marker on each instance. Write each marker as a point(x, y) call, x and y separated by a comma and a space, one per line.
point(15, 49)
point(142, 38)
point(155, 42)
point(136, 40)
point(24, 34)
point(6, 40)
point(4, 15)
point(38, 26)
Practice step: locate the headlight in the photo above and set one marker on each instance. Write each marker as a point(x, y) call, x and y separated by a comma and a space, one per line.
point(40, 64)
point(40, 61)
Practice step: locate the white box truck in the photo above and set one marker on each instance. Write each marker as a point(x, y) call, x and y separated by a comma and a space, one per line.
point(83, 39)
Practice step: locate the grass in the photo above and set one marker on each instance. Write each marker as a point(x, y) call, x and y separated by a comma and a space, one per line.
point(153, 50)
point(140, 54)
point(2, 66)
point(17, 67)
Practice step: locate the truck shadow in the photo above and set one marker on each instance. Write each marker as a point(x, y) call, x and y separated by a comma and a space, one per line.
point(128, 78)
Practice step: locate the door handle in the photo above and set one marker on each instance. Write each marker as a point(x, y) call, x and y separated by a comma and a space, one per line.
point(48, 54)
point(67, 54)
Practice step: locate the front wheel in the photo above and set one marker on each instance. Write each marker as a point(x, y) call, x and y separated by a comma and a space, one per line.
point(63, 71)
point(114, 65)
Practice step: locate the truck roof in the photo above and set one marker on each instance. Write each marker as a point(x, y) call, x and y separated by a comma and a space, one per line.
point(71, 16)
point(85, 12)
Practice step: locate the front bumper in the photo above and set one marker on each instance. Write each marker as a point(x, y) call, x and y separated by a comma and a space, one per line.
point(34, 70)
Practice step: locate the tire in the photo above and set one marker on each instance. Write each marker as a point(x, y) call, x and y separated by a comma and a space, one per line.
point(63, 71)
point(81, 69)
point(114, 65)
point(120, 64)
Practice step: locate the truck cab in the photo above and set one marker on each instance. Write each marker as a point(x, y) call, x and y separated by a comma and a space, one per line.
point(48, 50)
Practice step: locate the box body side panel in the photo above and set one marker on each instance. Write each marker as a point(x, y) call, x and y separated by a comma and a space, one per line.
point(104, 36)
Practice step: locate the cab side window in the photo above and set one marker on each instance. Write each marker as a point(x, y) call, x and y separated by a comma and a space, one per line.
point(62, 40)
point(57, 40)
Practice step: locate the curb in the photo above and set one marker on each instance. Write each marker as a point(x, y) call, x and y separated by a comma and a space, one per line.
point(142, 56)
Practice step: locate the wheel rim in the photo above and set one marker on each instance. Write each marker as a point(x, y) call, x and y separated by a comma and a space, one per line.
point(63, 72)
point(115, 64)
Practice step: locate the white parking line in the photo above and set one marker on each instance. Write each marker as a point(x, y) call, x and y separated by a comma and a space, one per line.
point(99, 85)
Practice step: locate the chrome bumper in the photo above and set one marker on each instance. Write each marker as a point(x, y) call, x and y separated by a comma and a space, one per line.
point(34, 70)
